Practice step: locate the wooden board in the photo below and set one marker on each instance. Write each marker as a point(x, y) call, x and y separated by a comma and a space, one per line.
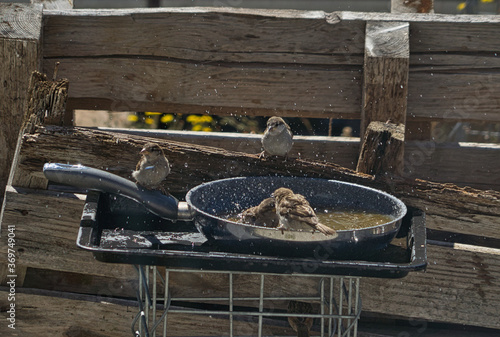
point(73, 315)
point(20, 31)
point(228, 61)
point(382, 152)
point(46, 226)
point(385, 74)
point(465, 164)
point(458, 286)
point(462, 210)
point(42, 313)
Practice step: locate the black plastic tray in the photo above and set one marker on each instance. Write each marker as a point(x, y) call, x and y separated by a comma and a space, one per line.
point(118, 230)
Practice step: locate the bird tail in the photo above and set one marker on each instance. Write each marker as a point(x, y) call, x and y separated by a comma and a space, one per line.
point(326, 230)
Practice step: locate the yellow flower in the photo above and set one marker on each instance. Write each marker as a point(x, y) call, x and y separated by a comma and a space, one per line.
point(207, 128)
point(167, 118)
point(461, 6)
point(196, 127)
point(193, 119)
point(148, 120)
point(487, 0)
point(206, 119)
point(132, 118)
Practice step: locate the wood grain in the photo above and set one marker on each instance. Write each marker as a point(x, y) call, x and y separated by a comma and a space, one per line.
point(54, 4)
point(20, 31)
point(382, 152)
point(44, 225)
point(455, 209)
point(458, 281)
point(111, 58)
point(458, 285)
point(385, 73)
point(20, 21)
point(464, 164)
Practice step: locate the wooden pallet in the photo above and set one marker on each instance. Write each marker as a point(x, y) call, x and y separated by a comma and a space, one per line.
point(324, 53)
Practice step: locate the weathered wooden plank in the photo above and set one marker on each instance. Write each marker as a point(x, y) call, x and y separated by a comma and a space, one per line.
point(385, 73)
point(459, 280)
point(342, 151)
point(459, 209)
point(465, 164)
point(48, 222)
point(448, 53)
point(458, 286)
point(202, 35)
point(382, 152)
point(20, 22)
point(94, 316)
point(46, 102)
point(20, 31)
point(148, 84)
point(42, 313)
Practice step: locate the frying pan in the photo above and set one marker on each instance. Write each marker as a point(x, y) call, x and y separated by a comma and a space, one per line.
point(207, 203)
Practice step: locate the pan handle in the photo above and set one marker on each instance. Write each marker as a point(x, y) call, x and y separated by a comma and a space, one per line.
point(98, 180)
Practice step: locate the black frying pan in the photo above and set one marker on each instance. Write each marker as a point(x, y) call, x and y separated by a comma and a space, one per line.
point(207, 202)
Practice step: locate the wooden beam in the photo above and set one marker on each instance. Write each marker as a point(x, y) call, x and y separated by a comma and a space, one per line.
point(463, 280)
point(458, 209)
point(382, 152)
point(458, 280)
point(415, 130)
point(46, 103)
point(464, 164)
point(385, 73)
point(20, 42)
point(246, 66)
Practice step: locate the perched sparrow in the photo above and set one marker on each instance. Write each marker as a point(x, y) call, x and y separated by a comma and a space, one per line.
point(295, 212)
point(262, 215)
point(301, 325)
point(153, 167)
point(277, 139)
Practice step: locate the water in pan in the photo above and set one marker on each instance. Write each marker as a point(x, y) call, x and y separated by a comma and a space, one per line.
point(339, 219)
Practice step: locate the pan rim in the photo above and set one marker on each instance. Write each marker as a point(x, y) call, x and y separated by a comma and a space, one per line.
point(402, 209)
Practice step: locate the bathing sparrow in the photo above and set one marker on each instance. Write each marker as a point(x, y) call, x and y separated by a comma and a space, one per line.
point(263, 214)
point(295, 212)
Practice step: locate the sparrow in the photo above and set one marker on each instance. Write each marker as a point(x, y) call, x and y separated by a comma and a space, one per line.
point(301, 325)
point(263, 214)
point(277, 139)
point(152, 168)
point(295, 212)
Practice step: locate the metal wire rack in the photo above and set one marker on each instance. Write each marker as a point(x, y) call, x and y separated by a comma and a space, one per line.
point(338, 300)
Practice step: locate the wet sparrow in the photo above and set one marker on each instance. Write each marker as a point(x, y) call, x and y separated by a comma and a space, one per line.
point(301, 325)
point(153, 167)
point(295, 212)
point(262, 215)
point(277, 139)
